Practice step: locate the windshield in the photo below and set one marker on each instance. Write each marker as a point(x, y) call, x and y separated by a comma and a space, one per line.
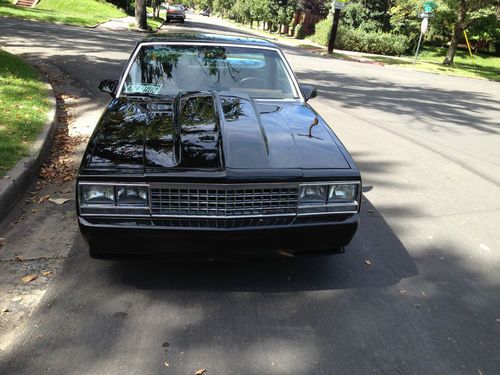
point(167, 70)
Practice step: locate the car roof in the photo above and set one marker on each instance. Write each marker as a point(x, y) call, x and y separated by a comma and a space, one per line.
point(208, 38)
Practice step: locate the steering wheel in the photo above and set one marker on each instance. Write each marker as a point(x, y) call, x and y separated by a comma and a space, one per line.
point(243, 82)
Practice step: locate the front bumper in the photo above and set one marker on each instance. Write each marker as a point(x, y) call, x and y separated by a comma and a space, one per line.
point(136, 238)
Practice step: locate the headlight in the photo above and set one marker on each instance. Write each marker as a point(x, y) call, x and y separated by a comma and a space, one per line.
point(97, 194)
point(313, 194)
point(328, 198)
point(342, 192)
point(132, 195)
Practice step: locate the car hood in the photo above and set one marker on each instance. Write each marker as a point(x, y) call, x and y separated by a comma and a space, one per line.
point(212, 131)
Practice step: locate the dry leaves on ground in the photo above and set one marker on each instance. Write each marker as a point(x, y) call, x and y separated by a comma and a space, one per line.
point(60, 167)
point(29, 278)
point(48, 273)
point(43, 199)
point(200, 371)
point(59, 201)
point(3, 241)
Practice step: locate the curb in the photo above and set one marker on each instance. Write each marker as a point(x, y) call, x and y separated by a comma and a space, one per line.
point(25, 171)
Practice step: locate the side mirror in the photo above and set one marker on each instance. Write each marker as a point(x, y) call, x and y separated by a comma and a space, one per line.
point(308, 91)
point(109, 86)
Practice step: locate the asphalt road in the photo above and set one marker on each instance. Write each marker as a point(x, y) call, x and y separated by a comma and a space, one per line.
point(429, 303)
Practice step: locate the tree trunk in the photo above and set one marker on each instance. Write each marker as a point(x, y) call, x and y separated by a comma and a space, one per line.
point(457, 34)
point(140, 15)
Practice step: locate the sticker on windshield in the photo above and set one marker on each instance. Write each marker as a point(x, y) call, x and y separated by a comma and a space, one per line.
point(144, 88)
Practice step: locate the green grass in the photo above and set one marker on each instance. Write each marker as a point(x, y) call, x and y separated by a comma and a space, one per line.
point(155, 23)
point(70, 12)
point(431, 58)
point(24, 102)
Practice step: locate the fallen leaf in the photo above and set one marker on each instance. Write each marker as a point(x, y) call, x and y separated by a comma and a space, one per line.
point(166, 364)
point(6, 177)
point(43, 199)
point(20, 258)
point(58, 200)
point(403, 292)
point(48, 273)
point(3, 241)
point(200, 371)
point(29, 278)
point(368, 262)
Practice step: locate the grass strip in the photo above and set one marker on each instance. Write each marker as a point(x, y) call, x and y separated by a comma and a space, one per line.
point(24, 106)
point(80, 13)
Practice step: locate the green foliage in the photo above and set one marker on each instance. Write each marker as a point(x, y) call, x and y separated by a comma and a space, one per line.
point(24, 103)
point(360, 40)
point(300, 32)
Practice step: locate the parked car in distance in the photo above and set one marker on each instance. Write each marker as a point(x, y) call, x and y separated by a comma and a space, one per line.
point(205, 12)
point(176, 13)
point(209, 148)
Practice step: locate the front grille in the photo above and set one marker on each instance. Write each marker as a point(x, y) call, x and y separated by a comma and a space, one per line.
point(223, 223)
point(224, 201)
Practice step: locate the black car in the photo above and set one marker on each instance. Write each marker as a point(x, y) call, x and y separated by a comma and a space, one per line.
point(176, 13)
point(209, 148)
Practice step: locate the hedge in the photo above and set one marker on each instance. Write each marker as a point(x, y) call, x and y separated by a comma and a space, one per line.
point(361, 41)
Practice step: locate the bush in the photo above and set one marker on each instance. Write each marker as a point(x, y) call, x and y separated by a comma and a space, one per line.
point(361, 41)
point(300, 33)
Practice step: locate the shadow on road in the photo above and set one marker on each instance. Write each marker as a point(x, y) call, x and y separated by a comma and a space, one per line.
point(375, 242)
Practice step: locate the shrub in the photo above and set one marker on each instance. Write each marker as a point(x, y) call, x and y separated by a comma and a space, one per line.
point(300, 33)
point(360, 40)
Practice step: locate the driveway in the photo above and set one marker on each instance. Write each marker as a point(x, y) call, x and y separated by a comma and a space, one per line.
point(417, 292)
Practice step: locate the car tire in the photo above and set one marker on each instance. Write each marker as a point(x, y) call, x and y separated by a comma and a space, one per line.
point(168, 20)
point(182, 20)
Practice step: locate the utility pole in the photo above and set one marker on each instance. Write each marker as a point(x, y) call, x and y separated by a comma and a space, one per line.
point(337, 5)
point(333, 32)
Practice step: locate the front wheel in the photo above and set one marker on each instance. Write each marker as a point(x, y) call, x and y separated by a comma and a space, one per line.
point(168, 20)
point(182, 20)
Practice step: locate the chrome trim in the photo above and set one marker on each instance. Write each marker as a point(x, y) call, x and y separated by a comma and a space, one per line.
point(291, 75)
point(224, 201)
point(347, 182)
point(220, 186)
point(327, 213)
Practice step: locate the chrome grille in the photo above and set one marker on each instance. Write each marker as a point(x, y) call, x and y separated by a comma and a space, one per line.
point(222, 201)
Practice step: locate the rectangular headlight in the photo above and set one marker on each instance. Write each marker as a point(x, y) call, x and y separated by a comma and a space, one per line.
point(313, 194)
point(132, 195)
point(329, 197)
point(342, 193)
point(97, 194)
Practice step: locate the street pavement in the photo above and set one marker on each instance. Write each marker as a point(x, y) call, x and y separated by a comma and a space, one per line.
point(417, 291)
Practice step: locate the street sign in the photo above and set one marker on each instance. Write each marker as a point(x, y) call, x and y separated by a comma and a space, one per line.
point(426, 15)
point(424, 25)
point(429, 6)
point(340, 4)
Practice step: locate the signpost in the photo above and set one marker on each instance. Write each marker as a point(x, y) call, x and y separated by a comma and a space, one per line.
point(424, 26)
point(337, 6)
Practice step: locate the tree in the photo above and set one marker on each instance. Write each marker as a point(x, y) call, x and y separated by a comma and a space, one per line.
point(156, 8)
point(141, 19)
point(467, 13)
